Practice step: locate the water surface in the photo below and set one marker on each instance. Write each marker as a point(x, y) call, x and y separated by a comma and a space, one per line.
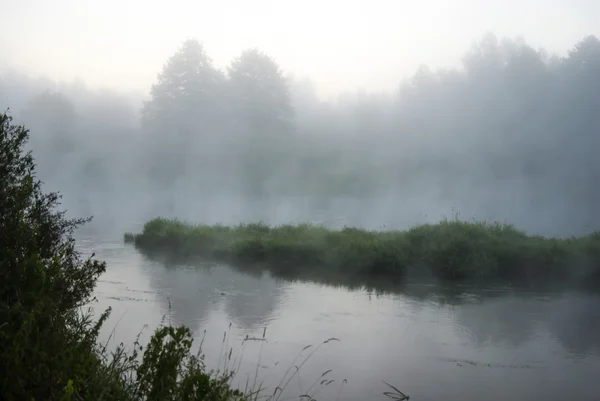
point(432, 342)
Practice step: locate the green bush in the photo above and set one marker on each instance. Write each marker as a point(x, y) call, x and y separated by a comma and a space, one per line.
point(49, 349)
point(449, 250)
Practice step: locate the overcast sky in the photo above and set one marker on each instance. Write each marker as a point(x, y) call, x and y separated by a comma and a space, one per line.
point(341, 45)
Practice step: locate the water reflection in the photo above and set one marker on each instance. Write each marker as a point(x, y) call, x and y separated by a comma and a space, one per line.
point(192, 291)
point(575, 321)
point(484, 317)
point(510, 320)
point(433, 341)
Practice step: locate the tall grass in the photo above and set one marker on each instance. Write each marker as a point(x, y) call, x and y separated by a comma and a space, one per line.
point(167, 369)
point(450, 250)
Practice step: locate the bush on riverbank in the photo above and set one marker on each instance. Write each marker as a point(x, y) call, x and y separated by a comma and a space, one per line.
point(449, 250)
point(48, 348)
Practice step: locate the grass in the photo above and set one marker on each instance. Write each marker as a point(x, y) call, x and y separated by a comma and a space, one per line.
point(168, 369)
point(165, 369)
point(449, 250)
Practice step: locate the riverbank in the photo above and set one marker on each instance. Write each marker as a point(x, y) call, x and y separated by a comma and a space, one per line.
point(449, 250)
point(48, 340)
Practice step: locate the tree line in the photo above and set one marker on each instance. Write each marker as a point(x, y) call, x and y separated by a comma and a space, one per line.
point(512, 125)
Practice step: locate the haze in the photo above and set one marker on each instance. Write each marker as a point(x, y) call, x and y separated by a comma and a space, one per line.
point(339, 45)
point(379, 115)
point(384, 116)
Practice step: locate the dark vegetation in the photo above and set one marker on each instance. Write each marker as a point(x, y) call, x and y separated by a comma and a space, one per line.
point(511, 135)
point(49, 346)
point(450, 250)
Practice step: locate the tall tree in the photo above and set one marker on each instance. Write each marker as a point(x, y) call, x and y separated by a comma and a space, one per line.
point(189, 89)
point(581, 106)
point(261, 92)
point(263, 115)
point(187, 106)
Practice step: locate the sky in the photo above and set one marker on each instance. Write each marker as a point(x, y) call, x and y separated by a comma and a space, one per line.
point(340, 45)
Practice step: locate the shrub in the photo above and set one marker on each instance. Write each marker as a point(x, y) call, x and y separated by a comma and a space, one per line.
point(48, 347)
point(449, 250)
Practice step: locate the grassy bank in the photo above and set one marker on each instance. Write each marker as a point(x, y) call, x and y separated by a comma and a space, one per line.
point(451, 250)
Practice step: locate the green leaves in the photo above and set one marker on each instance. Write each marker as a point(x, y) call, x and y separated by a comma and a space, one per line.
point(451, 250)
point(48, 347)
point(43, 281)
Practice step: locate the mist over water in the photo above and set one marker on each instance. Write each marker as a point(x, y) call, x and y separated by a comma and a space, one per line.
point(510, 136)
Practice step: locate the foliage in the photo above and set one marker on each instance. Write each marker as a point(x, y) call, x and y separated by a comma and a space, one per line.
point(165, 370)
point(450, 250)
point(187, 106)
point(48, 347)
point(261, 104)
point(188, 86)
point(44, 282)
point(260, 92)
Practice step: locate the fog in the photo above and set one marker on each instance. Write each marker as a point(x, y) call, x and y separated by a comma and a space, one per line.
point(508, 135)
point(340, 44)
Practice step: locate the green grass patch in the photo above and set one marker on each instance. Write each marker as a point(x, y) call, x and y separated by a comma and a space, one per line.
point(450, 250)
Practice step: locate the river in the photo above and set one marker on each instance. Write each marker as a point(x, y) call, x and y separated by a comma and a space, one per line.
point(431, 342)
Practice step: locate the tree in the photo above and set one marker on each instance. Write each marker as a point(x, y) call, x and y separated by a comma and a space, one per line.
point(188, 94)
point(260, 93)
point(48, 348)
point(263, 116)
point(581, 69)
point(44, 341)
point(580, 119)
point(187, 108)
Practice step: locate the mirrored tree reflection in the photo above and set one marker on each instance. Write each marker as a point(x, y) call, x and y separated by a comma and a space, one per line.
point(515, 317)
point(504, 317)
point(574, 322)
point(192, 292)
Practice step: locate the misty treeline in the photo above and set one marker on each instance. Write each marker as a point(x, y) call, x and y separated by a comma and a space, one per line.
point(511, 135)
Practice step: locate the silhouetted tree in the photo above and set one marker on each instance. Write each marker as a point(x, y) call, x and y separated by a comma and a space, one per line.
point(263, 115)
point(188, 92)
point(260, 93)
point(186, 108)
